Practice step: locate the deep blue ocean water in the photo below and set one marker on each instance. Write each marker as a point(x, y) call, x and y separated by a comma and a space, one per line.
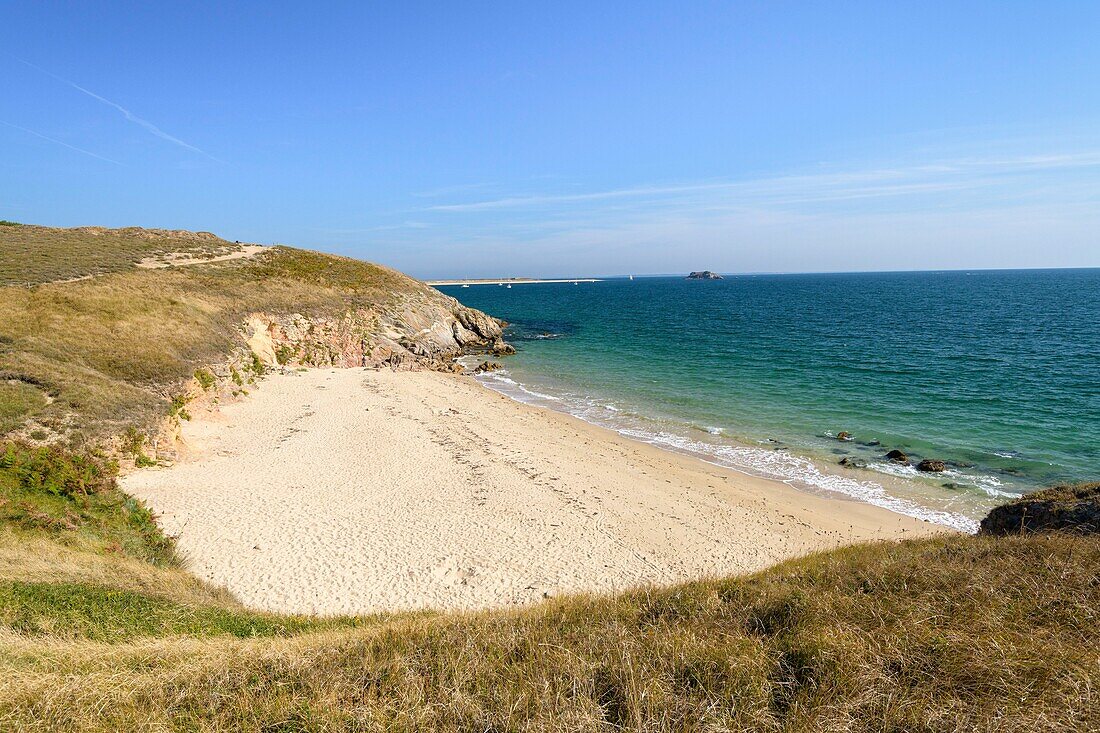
point(995, 372)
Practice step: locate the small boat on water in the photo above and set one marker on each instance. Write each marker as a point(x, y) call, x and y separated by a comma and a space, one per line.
point(509, 285)
point(631, 277)
point(465, 285)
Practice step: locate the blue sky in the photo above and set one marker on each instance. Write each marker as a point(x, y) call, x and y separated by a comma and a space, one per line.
point(471, 139)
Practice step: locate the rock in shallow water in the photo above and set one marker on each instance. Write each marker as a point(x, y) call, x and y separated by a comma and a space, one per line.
point(851, 462)
point(897, 456)
point(929, 465)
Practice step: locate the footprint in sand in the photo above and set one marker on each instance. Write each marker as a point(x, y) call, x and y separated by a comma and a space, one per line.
point(450, 572)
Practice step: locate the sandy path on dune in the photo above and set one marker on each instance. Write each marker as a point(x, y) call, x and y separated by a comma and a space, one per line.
point(178, 260)
point(350, 491)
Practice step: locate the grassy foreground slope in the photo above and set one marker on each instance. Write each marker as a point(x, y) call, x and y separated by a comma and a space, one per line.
point(101, 628)
point(944, 634)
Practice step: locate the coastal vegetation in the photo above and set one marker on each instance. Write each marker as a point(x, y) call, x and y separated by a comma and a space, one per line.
point(102, 628)
point(952, 633)
point(91, 344)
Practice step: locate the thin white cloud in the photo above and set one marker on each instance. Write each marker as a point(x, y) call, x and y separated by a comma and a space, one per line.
point(925, 178)
point(60, 142)
point(149, 126)
point(447, 190)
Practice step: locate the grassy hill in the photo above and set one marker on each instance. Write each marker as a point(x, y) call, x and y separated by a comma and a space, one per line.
point(102, 628)
point(92, 345)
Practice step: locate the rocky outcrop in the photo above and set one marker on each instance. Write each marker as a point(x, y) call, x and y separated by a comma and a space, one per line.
point(424, 332)
point(930, 465)
point(482, 326)
point(1073, 509)
point(489, 366)
point(704, 275)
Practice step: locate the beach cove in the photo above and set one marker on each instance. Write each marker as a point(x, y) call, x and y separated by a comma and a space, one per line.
point(360, 490)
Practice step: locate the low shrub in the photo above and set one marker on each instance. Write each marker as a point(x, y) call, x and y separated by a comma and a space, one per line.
point(205, 378)
point(57, 472)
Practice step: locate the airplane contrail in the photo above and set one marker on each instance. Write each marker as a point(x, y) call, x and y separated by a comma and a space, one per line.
point(60, 142)
point(149, 126)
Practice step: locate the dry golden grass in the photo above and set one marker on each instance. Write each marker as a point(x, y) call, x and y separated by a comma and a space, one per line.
point(31, 255)
point(944, 634)
point(107, 351)
point(32, 558)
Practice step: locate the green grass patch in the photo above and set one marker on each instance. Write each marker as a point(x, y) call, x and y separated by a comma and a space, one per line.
point(18, 401)
point(90, 611)
point(73, 497)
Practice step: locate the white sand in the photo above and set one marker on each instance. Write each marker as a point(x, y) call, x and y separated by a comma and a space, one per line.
point(351, 491)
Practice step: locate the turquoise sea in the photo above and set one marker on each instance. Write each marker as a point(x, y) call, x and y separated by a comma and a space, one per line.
point(995, 372)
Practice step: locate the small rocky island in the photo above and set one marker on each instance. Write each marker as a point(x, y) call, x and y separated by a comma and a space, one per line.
point(704, 275)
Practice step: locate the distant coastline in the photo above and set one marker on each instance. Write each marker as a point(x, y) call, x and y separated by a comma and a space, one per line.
point(513, 281)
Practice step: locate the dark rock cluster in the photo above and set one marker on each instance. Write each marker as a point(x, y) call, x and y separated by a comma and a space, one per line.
point(1074, 508)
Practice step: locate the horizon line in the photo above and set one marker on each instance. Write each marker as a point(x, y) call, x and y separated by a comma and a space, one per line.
point(758, 273)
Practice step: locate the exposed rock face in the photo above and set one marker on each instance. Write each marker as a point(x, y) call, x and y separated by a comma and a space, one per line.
point(484, 326)
point(929, 465)
point(898, 456)
point(428, 331)
point(501, 348)
point(1061, 508)
point(704, 275)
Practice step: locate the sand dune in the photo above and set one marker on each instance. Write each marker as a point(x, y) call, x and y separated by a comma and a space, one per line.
point(351, 491)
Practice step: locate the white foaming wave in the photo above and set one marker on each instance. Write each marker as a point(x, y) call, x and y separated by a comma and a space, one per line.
point(990, 484)
point(769, 463)
point(501, 378)
point(790, 468)
point(987, 484)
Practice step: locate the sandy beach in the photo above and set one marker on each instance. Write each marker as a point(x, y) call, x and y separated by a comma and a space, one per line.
point(355, 491)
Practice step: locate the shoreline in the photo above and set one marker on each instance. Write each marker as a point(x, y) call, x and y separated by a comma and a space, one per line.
point(358, 491)
point(798, 469)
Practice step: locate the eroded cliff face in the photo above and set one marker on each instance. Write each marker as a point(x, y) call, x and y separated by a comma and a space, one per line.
point(418, 330)
point(422, 333)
